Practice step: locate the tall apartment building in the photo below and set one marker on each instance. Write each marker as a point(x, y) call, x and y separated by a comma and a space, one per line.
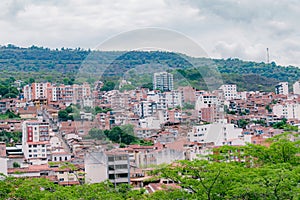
point(287, 110)
point(163, 81)
point(282, 88)
point(296, 87)
point(39, 90)
point(210, 107)
point(57, 93)
point(100, 166)
point(80, 92)
point(188, 94)
point(229, 91)
point(36, 140)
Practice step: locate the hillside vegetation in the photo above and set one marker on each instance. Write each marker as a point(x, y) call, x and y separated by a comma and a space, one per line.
point(77, 65)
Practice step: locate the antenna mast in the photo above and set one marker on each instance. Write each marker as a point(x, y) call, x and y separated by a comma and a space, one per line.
point(268, 56)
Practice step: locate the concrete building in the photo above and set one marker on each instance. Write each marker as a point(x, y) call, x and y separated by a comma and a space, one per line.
point(39, 90)
point(100, 166)
point(282, 88)
point(157, 157)
point(296, 87)
point(287, 110)
point(229, 91)
point(188, 94)
point(66, 94)
point(218, 133)
point(163, 81)
point(36, 140)
point(210, 107)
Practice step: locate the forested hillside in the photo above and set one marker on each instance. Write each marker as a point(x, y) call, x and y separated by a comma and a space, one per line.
point(76, 65)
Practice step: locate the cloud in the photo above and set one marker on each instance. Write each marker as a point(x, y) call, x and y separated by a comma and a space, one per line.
point(224, 28)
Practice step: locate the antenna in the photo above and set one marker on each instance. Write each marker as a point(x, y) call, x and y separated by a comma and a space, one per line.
point(268, 56)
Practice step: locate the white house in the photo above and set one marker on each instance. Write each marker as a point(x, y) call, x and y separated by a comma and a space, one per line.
point(218, 133)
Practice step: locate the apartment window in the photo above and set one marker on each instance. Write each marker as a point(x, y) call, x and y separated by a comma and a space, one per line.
point(111, 176)
point(30, 144)
point(121, 175)
point(111, 167)
point(121, 166)
point(61, 179)
point(111, 159)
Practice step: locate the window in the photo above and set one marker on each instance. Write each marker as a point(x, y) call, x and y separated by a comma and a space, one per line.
point(121, 166)
point(122, 175)
point(111, 176)
point(111, 167)
point(111, 159)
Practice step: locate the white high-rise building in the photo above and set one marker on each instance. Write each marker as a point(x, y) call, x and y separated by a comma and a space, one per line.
point(163, 81)
point(36, 140)
point(287, 110)
point(229, 91)
point(296, 87)
point(282, 88)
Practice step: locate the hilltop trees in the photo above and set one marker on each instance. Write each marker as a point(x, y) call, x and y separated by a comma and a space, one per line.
point(249, 172)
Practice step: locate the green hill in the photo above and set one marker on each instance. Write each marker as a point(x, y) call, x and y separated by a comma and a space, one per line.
point(76, 65)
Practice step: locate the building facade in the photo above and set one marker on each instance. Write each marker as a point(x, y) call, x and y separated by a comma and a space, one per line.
point(282, 88)
point(163, 81)
point(36, 140)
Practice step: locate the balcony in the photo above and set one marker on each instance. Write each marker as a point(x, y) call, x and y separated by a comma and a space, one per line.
point(119, 180)
point(118, 171)
point(118, 162)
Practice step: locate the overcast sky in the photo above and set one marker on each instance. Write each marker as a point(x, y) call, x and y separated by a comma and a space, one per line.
point(223, 28)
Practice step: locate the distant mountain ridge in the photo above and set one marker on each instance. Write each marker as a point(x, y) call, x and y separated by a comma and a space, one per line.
point(44, 64)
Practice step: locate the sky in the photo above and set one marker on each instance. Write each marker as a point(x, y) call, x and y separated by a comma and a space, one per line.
point(241, 29)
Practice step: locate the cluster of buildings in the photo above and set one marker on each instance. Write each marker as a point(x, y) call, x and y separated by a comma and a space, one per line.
point(50, 93)
point(182, 123)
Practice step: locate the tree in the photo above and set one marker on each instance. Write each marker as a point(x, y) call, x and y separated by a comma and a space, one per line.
point(64, 115)
point(97, 134)
point(108, 85)
point(123, 134)
point(242, 123)
point(16, 165)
